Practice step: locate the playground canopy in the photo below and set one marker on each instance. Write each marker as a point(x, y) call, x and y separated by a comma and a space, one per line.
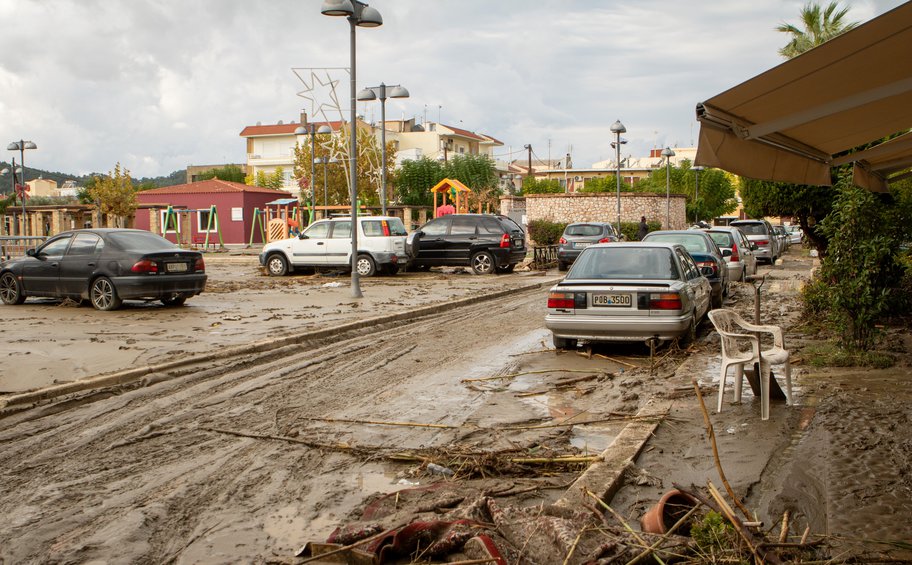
point(455, 190)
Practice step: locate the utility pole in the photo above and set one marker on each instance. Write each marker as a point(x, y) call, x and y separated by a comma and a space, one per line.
point(529, 149)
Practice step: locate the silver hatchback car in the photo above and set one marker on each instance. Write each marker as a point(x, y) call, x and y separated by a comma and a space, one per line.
point(737, 251)
point(638, 291)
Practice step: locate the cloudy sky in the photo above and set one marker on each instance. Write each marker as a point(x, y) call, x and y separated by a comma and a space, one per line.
point(158, 85)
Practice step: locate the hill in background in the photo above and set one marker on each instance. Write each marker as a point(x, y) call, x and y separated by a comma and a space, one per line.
point(177, 177)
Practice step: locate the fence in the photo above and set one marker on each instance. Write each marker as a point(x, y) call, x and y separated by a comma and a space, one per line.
point(16, 246)
point(544, 256)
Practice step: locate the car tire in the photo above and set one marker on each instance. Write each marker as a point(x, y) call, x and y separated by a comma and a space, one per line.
point(562, 342)
point(482, 263)
point(561, 266)
point(10, 289)
point(276, 265)
point(366, 266)
point(103, 295)
point(174, 300)
point(691, 334)
point(390, 270)
point(506, 269)
point(715, 302)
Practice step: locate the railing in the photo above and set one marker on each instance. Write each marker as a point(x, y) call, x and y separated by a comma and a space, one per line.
point(544, 256)
point(16, 246)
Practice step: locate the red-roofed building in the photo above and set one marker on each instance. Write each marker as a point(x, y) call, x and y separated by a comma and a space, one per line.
point(234, 203)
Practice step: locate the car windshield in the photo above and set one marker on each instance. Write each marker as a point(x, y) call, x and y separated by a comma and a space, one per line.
point(752, 229)
point(583, 230)
point(626, 263)
point(140, 241)
point(693, 242)
point(722, 238)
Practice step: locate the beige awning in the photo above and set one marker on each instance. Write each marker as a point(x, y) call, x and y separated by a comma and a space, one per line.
point(795, 121)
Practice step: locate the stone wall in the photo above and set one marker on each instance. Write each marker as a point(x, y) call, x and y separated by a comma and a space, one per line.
point(600, 207)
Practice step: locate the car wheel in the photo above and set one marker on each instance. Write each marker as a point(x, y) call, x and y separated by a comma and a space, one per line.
point(561, 266)
point(391, 269)
point(482, 263)
point(10, 289)
point(174, 300)
point(506, 268)
point(103, 295)
point(691, 334)
point(716, 301)
point(276, 265)
point(365, 266)
point(563, 343)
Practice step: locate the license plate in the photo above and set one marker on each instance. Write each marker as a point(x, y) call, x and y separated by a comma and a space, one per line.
point(581, 245)
point(612, 300)
point(176, 267)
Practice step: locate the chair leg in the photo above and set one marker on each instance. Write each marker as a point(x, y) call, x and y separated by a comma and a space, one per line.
point(739, 381)
point(764, 391)
point(788, 383)
point(722, 375)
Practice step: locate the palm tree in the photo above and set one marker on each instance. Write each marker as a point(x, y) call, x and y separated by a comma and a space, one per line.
point(820, 25)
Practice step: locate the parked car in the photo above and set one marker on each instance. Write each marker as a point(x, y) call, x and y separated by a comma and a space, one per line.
point(105, 266)
point(761, 233)
point(737, 251)
point(636, 291)
point(580, 235)
point(485, 242)
point(705, 252)
point(796, 236)
point(328, 243)
point(782, 237)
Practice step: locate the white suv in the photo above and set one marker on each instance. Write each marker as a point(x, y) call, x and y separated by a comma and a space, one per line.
point(327, 243)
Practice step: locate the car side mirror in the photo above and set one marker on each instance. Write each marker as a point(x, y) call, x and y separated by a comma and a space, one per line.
point(726, 253)
point(754, 247)
point(706, 271)
point(302, 236)
point(30, 252)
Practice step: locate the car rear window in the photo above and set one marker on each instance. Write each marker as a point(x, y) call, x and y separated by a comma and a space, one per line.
point(752, 228)
point(374, 228)
point(722, 238)
point(693, 243)
point(510, 225)
point(140, 241)
point(583, 230)
point(626, 263)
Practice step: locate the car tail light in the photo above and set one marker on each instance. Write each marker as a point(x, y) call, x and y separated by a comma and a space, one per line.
point(710, 264)
point(200, 265)
point(665, 301)
point(735, 257)
point(567, 300)
point(386, 227)
point(606, 240)
point(563, 241)
point(145, 266)
point(505, 240)
point(763, 242)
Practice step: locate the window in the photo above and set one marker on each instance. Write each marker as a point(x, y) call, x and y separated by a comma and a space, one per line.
point(342, 230)
point(55, 247)
point(436, 227)
point(317, 231)
point(173, 220)
point(690, 268)
point(86, 244)
point(202, 220)
point(463, 226)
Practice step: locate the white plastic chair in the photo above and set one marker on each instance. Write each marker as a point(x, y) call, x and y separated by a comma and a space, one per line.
point(740, 348)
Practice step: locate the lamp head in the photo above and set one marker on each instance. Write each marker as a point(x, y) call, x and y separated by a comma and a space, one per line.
point(5, 171)
point(667, 152)
point(618, 128)
point(337, 8)
point(324, 129)
point(399, 92)
point(369, 17)
point(697, 168)
point(366, 94)
point(300, 130)
point(14, 146)
point(30, 145)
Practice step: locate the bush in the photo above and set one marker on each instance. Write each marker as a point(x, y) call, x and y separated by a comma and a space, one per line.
point(545, 232)
point(629, 229)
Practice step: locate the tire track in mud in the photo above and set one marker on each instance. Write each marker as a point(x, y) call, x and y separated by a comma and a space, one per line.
point(130, 474)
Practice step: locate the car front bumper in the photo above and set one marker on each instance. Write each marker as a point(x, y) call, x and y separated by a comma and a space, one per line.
point(597, 328)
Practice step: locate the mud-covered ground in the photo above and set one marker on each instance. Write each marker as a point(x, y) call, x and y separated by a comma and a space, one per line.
point(246, 458)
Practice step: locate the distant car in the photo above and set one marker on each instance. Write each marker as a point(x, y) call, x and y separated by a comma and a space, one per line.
point(105, 266)
point(761, 233)
point(705, 252)
point(579, 236)
point(637, 291)
point(796, 236)
point(737, 251)
point(782, 237)
point(328, 243)
point(487, 243)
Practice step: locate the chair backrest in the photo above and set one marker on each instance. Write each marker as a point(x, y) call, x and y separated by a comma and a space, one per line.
point(726, 323)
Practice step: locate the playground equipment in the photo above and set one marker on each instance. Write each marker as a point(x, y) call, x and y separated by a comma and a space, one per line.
point(278, 219)
point(172, 221)
point(457, 192)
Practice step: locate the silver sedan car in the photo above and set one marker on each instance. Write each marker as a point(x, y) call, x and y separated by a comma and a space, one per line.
point(738, 252)
point(638, 291)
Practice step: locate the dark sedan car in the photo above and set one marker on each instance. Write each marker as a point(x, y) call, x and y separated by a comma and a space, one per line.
point(704, 251)
point(104, 266)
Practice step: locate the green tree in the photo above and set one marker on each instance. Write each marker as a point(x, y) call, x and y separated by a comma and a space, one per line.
point(478, 173)
point(415, 178)
point(114, 194)
point(819, 25)
point(716, 195)
point(232, 173)
point(607, 184)
point(274, 180)
point(806, 203)
point(532, 185)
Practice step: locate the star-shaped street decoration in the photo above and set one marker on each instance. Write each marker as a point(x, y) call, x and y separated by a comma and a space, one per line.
point(320, 90)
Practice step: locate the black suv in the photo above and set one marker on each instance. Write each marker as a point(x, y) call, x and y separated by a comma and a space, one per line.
point(485, 242)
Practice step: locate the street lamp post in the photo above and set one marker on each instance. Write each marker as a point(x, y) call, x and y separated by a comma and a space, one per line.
point(358, 14)
point(21, 146)
point(696, 171)
point(313, 131)
point(617, 128)
point(325, 160)
point(380, 93)
point(668, 154)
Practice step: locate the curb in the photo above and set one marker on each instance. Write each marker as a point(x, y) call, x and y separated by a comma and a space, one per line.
point(136, 373)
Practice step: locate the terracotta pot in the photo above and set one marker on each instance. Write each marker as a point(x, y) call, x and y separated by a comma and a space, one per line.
point(673, 506)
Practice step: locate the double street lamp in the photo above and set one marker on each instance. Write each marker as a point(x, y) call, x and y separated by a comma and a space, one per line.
point(668, 154)
point(358, 14)
point(617, 128)
point(313, 131)
point(380, 93)
point(21, 146)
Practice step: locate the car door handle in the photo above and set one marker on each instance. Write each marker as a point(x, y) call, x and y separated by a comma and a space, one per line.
point(55, 264)
point(91, 264)
point(472, 238)
point(319, 243)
